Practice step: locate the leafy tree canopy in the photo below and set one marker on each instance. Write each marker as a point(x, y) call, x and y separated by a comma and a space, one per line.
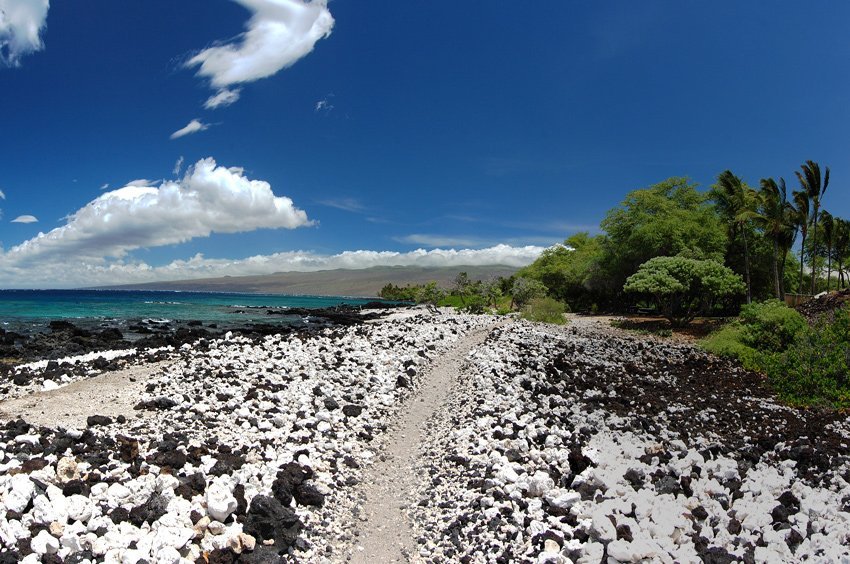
point(683, 287)
point(669, 218)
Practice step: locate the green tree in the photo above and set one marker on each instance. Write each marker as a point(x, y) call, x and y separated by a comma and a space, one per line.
point(801, 220)
point(430, 294)
point(666, 219)
point(814, 188)
point(737, 204)
point(462, 286)
point(526, 289)
point(684, 287)
point(569, 271)
point(828, 227)
point(775, 217)
point(842, 247)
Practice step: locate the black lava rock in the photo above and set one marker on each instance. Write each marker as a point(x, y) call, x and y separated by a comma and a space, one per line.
point(352, 410)
point(268, 519)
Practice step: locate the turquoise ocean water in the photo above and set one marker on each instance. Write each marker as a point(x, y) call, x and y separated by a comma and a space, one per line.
point(30, 309)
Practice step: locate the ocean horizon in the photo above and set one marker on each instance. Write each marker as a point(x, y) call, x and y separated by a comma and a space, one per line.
point(26, 310)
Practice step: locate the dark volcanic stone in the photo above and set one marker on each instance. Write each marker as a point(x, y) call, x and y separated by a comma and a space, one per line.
point(157, 403)
point(352, 410)
point(734, 527)
point(700, 513)
point(268, 519)
point(307, 494)
point(634, 477)
point(93, 420)
point(175, 459)
point(779, 514)
point(119, 515)
point(128, 449)
point(790, 502)
point(150, 511)
point(331, 404)
point(402, 382)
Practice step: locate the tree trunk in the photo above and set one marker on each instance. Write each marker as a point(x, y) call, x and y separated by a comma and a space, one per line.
point(828, 267)
point(782, 274)
point(747, 268)
point(815, 247)
point(802, 250)
point(776, 287)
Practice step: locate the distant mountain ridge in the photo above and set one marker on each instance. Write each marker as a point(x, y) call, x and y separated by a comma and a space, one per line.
point(365, 282)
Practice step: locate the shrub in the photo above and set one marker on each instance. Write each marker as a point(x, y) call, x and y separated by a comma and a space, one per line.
point(815, 368)
point(684, 287)
point(728, 341)
point(770, 325)
point(525, 290)
point(545, 310)
point(475, 304)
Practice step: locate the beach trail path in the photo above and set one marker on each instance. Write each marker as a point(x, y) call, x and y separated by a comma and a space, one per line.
point(385, 532)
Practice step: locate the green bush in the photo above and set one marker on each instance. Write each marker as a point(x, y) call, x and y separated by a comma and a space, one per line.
point(729, 342)
point(545, 310)
point(815, 368)
point(770, 325)
point(683, 287)
point(804, 365)
point(475, 304)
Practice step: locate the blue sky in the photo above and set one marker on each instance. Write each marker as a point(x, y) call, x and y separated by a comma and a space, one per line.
point(402, 132)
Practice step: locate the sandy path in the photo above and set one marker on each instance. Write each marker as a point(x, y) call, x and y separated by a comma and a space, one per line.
point(385, 533)
point(111, 394)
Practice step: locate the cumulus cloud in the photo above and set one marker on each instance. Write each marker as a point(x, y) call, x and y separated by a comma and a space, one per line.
point(21, 24)
point(208, 199)
point(83, 273)
point(193, 126)
point(25, 219)
point(279, 33)
point(223, 98)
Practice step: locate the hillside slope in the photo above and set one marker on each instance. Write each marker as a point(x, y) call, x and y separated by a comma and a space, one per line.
point(364, 282)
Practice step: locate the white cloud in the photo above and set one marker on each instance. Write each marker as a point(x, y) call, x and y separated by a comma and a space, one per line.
point(21, 24)
point(92, 273)
point(142, 182)
point(105, 186)
point(279, 33)
point(25, 219)
point(223, 98)
point(2, 195)
point(208, 199)
point(193, 126)
point(178, 166)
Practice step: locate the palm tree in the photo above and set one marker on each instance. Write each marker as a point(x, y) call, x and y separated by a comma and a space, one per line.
point(841, 246)
point(736, 203)
point(775, 218)
point(828, 226)
point(801, 220)
point(811, 184)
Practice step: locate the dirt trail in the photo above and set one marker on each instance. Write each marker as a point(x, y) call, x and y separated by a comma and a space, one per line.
point(385, 533)
point(111, 394)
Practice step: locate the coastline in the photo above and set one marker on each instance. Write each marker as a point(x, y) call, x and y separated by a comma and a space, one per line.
point(554, 444)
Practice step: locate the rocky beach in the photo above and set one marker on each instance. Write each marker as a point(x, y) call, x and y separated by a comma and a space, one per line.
point(405, 435)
